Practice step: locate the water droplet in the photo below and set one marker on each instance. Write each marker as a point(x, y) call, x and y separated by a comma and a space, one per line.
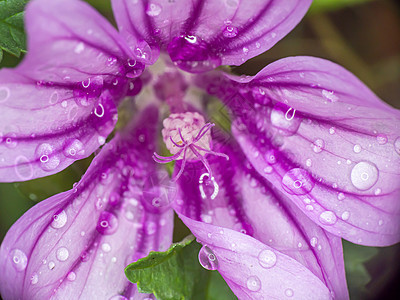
point(328, 217)
point(254, 283)
point(107, 223)
point(245, 50)
point(207, 258)
point(74, 148)
point(230, 31)
point(34, 278)
point(289, 292)
point(298, 182)
point(106, 247)
point(267, 258)
point(23, 168)
point(345, 215)
point(382, 139)
point(153, 10)
point(380, 222)
point(341, 196)
point(309, 207)
point(357, 148)
point(397, 145)
point(378, 191)
point(53, 98)
point(52, 265)
point(308, 162)
point(4, 94)
point(212, 191)
point(313, 241)
point(19, 259)
point(62, 254)
point(71, 276)
point(268, 170)
point(11, 140)
point(150, 228)
point(99, 111)
point(79, 48)
point(364, 175)
point(332, 130)
point(59, 220)
point(48, 160)
point(318, 145)
point(285, 119)
point(330, 96)
point(192, 54)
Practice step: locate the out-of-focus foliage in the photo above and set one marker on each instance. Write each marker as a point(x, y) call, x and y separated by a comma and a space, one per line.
point(12, 34)
point(327, 5)
point(354, 257)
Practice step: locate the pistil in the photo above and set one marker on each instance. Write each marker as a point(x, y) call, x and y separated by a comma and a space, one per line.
point(188, 138)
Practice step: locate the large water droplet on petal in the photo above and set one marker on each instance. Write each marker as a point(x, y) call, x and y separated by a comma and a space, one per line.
point(207, 258)
point(19, 259)
point(74, 148)
point(318, 145)
point(298, 182)
point(285, 119)
point(153, 10)
point(289, 292)
point(267, 258)
point(47, 158)
point(34, 278)
point(59, 220)
point(192, 54)
point(364, 175)
point(397, 145)
point(62, 254)
point(230, 31)
point(253, 283)
point(23, 168)
point(4, 94)
point(328, 218)
point(107, 223)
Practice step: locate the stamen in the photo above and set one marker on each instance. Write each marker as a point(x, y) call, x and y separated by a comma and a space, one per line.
point(199, 144)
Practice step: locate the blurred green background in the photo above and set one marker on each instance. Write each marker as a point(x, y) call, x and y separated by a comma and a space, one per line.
point(364, 37)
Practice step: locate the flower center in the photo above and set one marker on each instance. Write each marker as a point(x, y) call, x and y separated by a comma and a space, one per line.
point(187, 137)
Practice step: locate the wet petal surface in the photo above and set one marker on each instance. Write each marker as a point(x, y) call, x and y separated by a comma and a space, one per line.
point(58, 105)
point(323, 139)
point(203, 34)
point(76, 244)
point(247, 203)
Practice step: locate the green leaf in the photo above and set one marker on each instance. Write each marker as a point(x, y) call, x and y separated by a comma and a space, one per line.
point(12, 34)
point(218, 289)
point(327, 5)
point(173, 274)
point(357, 275)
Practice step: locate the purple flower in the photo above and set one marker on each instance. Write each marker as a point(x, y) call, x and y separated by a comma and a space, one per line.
point(312, 156)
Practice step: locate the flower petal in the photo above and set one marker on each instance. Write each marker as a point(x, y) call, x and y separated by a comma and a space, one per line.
point(203, 34)
point(254, 270)
point(246, 202)
point(326, 139)
point(59, 104)
point(77, 243)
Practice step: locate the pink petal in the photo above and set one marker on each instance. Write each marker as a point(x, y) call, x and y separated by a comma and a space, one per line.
point(76, 244)
point(326, 138)
point(252, 269)
point(58, 105)
point(246, 202)
point(201, 35)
